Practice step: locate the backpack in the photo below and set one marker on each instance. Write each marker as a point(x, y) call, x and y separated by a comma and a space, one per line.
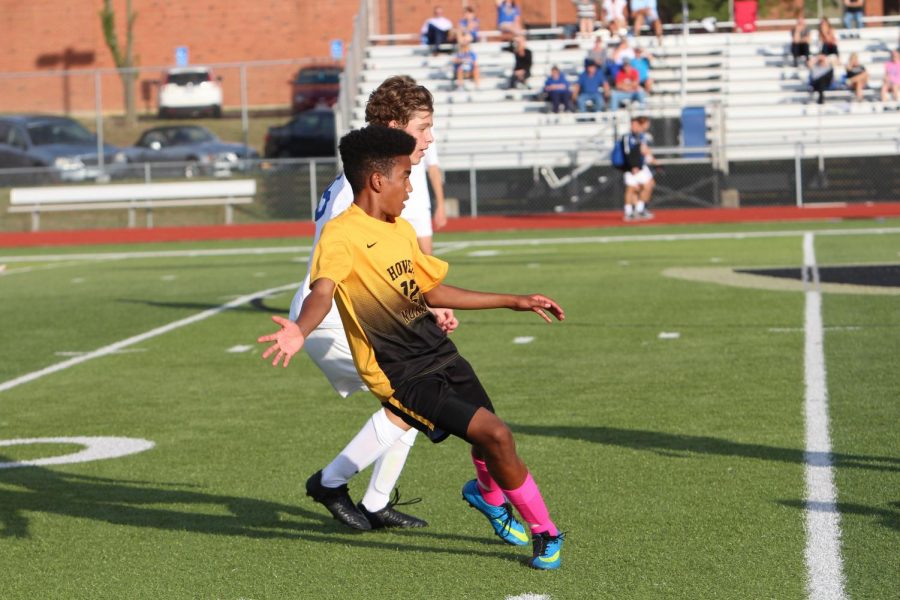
point(620, 152)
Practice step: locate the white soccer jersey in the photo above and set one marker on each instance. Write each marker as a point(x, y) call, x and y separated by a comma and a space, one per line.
point(417, 209)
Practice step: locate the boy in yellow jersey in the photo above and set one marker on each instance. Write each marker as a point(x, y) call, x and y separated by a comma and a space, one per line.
point(369, 262)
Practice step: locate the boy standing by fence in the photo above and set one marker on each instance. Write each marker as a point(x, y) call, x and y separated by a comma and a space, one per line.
point(631, 155)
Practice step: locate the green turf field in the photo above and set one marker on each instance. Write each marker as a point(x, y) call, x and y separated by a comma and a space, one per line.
point(663, 420)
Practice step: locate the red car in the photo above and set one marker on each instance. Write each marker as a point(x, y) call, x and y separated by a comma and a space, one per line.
point(315, 85)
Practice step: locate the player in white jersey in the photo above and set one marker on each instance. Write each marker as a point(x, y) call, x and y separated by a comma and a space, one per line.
point(419, 210)
point(398, 102)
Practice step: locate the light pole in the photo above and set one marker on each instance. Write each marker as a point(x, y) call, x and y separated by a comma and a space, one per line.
point(684, 40)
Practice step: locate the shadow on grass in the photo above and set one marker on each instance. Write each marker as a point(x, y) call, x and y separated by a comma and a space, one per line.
point(682, 446)
point(255, 305)
point(175, 507)
point(888, 517)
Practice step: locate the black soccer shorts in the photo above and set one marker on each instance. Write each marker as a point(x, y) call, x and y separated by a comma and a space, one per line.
point(442, 402)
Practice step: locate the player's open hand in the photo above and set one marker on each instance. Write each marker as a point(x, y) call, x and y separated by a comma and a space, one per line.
point(439, 219)
point(541, 305)
point(445, 318)
point(288, 341)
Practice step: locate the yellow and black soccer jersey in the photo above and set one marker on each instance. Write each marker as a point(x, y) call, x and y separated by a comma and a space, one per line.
point(380, 276)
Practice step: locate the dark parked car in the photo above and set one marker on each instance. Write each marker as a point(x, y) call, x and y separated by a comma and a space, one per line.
point(57, 142)
point(197, 148)
point(310, 133)
point(313, 86)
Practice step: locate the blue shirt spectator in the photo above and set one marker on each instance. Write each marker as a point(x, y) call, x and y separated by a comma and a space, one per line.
point(641, 64)
point(509, 18)
point(591, 84)
point(556, 86)
point(470, 24)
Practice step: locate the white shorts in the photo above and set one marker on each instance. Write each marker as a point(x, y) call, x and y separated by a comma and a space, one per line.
point(420, 218)
point(640, 178)
point(328, 348)
point(649, 6)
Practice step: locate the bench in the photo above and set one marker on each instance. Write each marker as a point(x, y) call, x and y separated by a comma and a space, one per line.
point(132, 197)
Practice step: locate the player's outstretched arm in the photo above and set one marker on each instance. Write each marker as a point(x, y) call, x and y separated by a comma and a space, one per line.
point(288, 340)
point(448, 296)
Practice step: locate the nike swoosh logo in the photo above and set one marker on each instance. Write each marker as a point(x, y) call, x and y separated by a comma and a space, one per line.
point(370, 245)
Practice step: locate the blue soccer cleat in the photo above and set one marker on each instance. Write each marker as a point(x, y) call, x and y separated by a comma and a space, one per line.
point(502, 520)
point(546, 550)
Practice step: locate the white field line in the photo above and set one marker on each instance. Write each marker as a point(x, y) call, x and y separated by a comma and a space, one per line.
point(825, 571)
point(116, 346)
point(155, 254)
point(444, 247)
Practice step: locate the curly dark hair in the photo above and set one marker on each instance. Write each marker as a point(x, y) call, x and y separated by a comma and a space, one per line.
point(373, 149)
point(397, 99)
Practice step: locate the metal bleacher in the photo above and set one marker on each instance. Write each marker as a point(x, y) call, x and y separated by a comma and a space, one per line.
point(757, 102)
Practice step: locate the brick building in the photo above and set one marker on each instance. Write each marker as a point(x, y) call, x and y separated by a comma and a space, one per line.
point(52, 49)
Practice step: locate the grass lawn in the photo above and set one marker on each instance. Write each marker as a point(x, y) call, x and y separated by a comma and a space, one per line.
point(663, 421)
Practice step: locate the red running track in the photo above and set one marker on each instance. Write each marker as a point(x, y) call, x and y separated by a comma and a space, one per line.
point(281, 229)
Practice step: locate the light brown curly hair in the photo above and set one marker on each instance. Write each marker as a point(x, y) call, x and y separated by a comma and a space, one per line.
point(397, 99)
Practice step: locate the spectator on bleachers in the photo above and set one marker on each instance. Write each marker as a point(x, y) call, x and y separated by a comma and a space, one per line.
point(628, 87)
point(856, 78)
point(853, 14)
point(586, 10)
point(641, 64)
point(522, 65)
point(469, 23)
point(821, 75)
point(509, 19)
point(891, 85)
point(645, 10)
point(800, 41)
point(465, 63)
point(828, 40)
point(622, 52)
point(437, 30)
point(597, 54)
point(614, 16)
point(590, 87)
point(556, 88)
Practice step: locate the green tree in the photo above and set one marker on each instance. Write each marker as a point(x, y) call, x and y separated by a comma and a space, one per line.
point(124, 61)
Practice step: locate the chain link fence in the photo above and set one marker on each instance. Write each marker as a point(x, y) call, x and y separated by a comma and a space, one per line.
point(289, 189)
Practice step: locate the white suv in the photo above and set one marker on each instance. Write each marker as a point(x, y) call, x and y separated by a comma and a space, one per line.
point(190, 91)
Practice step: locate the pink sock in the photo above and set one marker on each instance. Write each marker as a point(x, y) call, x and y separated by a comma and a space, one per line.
point(490, 491)
point(528, 501)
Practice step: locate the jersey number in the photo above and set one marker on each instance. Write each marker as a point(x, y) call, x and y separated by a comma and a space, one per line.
point(323, 203)
point(410, 289)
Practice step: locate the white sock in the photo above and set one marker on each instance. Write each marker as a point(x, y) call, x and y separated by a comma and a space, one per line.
point(387, 471)
point(640, 207)
point(373, 440)
point(629, 209)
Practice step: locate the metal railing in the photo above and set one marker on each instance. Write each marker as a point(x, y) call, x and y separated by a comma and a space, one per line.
point(289, 189)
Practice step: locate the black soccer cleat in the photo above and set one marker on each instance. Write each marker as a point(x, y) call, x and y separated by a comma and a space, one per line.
point(388, 517)
point(337, 501)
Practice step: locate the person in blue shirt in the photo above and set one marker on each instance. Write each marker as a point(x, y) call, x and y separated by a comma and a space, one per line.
point(556, 86)
point(591, 87)
point(465, 63)
point(469, 23)
point(509, 19)
point(641, 64)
